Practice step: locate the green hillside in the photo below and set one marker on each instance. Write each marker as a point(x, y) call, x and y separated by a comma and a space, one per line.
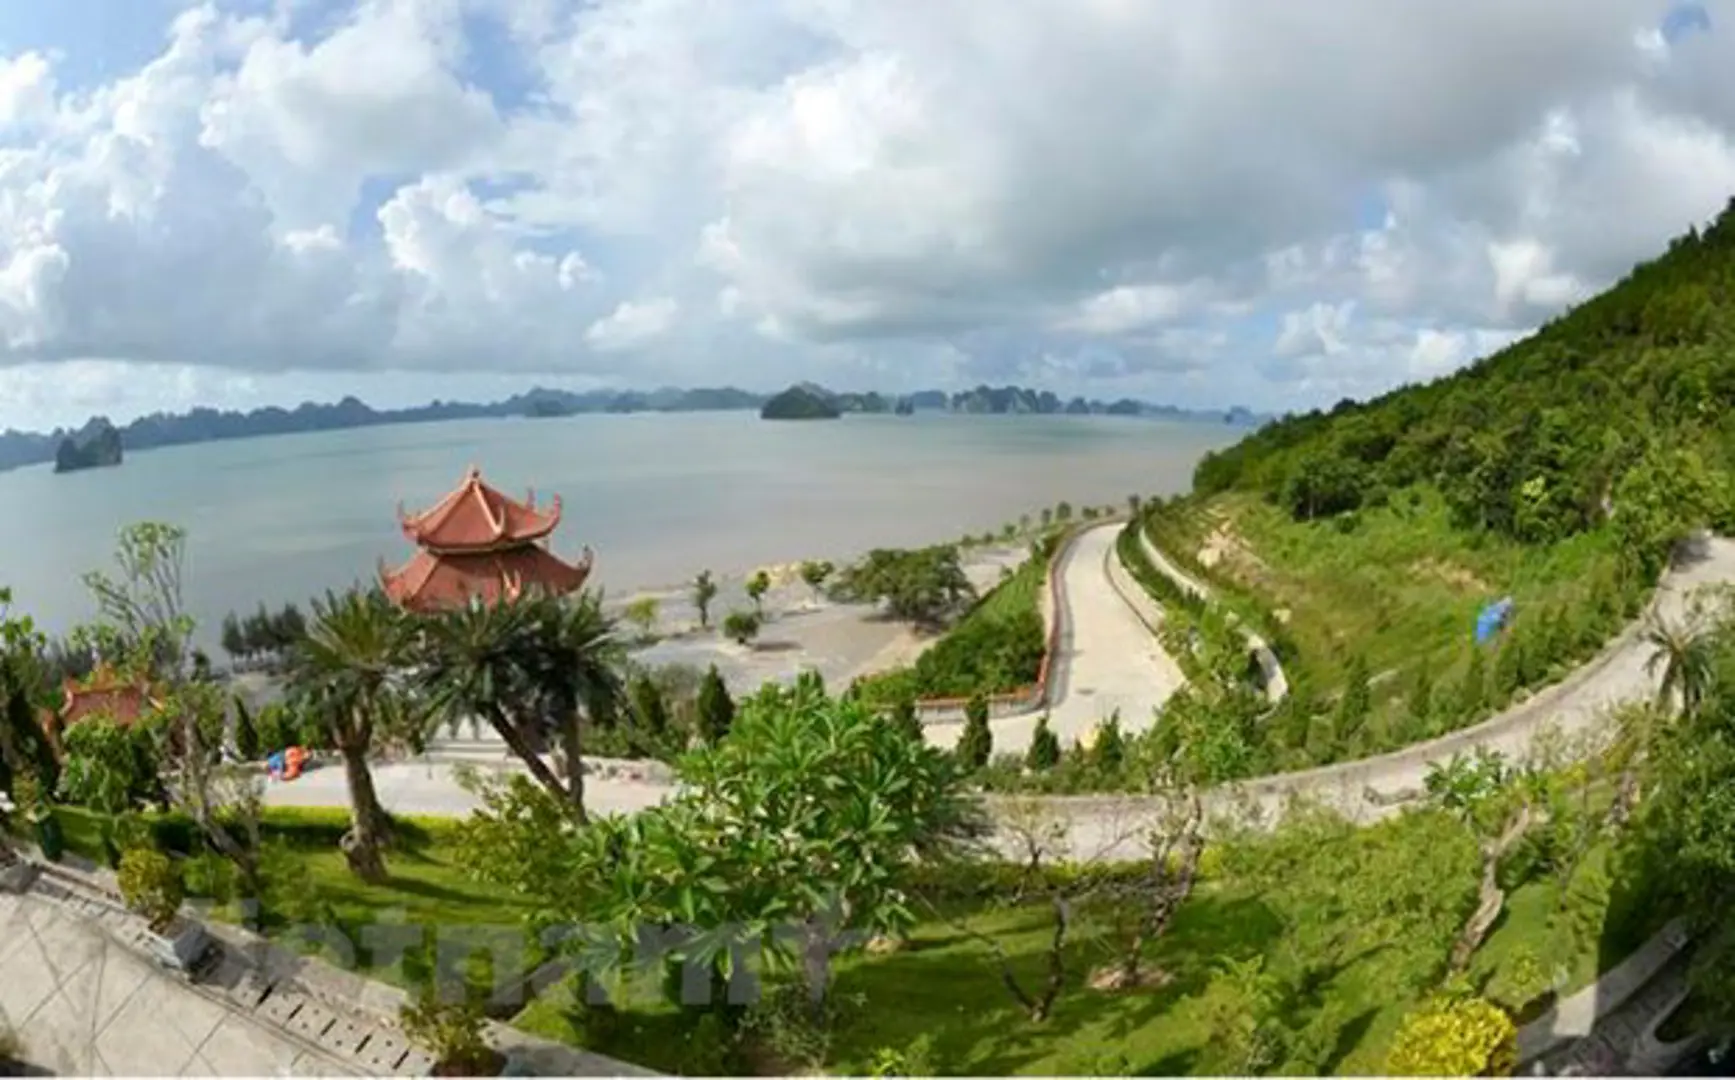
point(1558, 471)
point(1533, 442)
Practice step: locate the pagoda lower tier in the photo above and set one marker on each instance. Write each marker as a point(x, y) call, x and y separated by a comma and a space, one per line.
point(477, 544)
point(433, 581)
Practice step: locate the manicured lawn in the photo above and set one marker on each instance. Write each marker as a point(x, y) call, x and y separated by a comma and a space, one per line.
point(428, 886)
point(943, 991)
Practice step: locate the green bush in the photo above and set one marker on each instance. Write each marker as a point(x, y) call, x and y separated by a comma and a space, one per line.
point(151, 884)
point(976, 743)
point(996, 648)
point(1044, 752)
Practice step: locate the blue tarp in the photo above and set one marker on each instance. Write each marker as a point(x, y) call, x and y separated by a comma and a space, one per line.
point(1493, 619)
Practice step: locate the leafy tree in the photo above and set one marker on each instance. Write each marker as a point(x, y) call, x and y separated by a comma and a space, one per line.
point(246, 731)
point(346, 675)
point(1421, 697)
point(151, 885)
point(1683, 654)
point(110, 767)
point(1356, 704)
point(1063, 512)
point(704, 591)
point(1663, 497)
point(1321, 485)
point(1473, 687)
point(1047, 516)
point(976, 741)
point(24, 750)
point(741, 627)
point(1465, 1036)
point(924, 586)
point(650, 710)
point(716, 708)
point(642, 613)
point(233, 641)
point(576, 671)
point(1501, 804)
point(757, 586)
point(803, 854)
point(146, 596)
point(1681, 842)
point(1108, 750)
point(815, 573)
point(1044, 751)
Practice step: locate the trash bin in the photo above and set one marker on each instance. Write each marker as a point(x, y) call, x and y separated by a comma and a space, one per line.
point(51, 838)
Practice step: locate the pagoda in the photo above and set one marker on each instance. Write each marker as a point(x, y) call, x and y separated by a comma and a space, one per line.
point(477, 544)
point(105, 693)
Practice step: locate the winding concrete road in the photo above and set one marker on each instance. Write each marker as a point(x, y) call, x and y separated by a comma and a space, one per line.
point(1109, 660)
point(1372, 788)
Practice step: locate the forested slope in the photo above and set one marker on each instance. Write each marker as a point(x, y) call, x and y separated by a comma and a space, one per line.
point(1558, 472)
point(1535, 442)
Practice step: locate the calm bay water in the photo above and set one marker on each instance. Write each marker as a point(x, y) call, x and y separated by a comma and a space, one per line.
point(658, 496)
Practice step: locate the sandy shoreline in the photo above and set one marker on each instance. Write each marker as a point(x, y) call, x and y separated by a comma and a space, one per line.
point(801, 631)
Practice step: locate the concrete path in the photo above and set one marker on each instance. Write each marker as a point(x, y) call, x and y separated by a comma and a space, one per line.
point(85, 1006)
point(431, 788)
point(1108, 662)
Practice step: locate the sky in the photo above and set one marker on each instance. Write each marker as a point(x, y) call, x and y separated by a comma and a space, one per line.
point(1197, 202)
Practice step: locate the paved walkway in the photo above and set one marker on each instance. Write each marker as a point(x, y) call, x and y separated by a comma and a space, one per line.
point(431, 787)
point(1109, 661)
point(85, 1005)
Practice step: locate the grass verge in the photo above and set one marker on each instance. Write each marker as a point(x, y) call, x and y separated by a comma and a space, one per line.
point(1389, 596)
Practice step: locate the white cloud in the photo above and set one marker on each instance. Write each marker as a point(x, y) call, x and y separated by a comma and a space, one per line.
point(632, 325)
point(648, 189)
point(1129, 307)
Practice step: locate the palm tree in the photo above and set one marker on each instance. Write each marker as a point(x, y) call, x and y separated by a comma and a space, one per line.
point(1684, 653)
point(579, 665)
point(345, 670)
point(536, 668)
point(475, 663)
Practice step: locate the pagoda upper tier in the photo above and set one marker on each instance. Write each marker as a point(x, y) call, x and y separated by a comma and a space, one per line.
point(478, 544)
point(476, 517)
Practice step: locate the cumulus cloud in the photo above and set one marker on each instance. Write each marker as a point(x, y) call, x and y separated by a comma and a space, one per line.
point(1289, 202)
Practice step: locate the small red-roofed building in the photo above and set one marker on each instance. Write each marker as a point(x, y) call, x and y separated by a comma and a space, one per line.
point(477, 544)
point(106, 692)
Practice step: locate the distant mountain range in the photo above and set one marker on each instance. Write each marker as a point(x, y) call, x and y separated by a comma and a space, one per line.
point(209, 425)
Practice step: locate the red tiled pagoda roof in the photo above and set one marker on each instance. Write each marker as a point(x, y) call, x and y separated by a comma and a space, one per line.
point(478, 544)
point(105, 693)
point(431, 581)
point(477, 517)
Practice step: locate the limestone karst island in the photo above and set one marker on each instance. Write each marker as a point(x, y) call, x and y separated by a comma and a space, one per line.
point(1260, 603)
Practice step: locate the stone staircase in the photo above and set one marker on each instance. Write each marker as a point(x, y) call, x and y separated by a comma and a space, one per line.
point(337, 1016)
